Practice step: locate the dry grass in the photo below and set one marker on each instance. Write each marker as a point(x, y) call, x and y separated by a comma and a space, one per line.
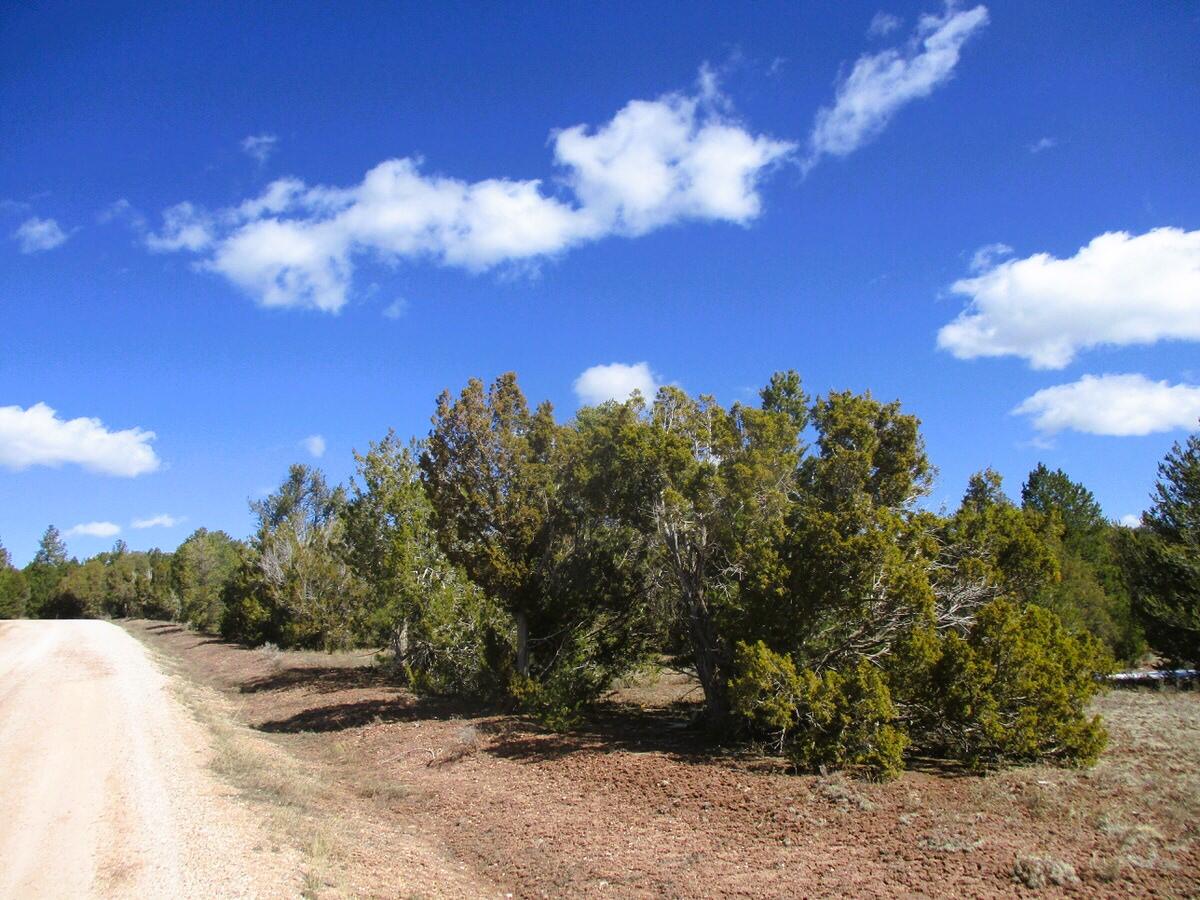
point(843, 793)
point(288, 797)
point(1042, 871)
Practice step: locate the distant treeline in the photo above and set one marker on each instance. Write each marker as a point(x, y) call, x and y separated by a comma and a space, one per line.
point(779, 550)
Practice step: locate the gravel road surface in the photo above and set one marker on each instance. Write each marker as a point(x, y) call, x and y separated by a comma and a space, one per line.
point(105, 789)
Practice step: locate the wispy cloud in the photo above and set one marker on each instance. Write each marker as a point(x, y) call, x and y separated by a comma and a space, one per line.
point(1117, 405)
point(986, 256)
point(314, 444)
point(38, 437)
point(94, 529)
point(185, 227)
point(121, 210)
point(881, 83)
point(37, 235)
point(162, 520)
point(615, 381)
point(1046, 143)
point(396, 309)
point(681, 157)
point(883, 24)
point(259, 146)
point(1119, 289)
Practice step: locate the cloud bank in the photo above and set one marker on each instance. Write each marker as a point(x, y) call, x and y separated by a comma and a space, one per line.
point(38, 437)
point(881, 83)
point(1118, 405)
point(615, 381)
point(1119, 289)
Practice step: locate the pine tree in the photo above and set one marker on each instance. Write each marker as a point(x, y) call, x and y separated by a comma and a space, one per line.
point(45, 571)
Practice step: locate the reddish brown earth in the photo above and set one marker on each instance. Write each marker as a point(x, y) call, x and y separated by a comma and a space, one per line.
point(635, 805)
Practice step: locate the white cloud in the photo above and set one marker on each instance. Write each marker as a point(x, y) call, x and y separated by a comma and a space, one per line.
point(162, 520)
point(35, 235)
point(94, 529)
point(1132, 520)
point(38, 437)
point(121, 210)
point(1120, 289)
point(883, 24)
point(185, 227)
point(1046, 143)
point(314, 444)
point(259, 146)
point(987, 255)
point(881, 83)
point(396, 309)
point(615, 381)
point(1118, 405)
point(655, 163)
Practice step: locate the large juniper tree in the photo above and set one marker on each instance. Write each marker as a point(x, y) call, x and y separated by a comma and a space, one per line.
point(488, 464)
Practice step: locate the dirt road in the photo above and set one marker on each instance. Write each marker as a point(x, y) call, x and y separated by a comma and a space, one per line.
point(104, 785)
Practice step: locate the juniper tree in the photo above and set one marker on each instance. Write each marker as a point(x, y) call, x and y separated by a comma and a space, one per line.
point(295, 587)
point(488, 468)
point(14, 590)
point(1162, 558)
point(200, 569)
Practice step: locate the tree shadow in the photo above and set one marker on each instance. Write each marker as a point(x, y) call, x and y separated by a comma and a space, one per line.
point(320, 680)
point(940, 767)
point(358, 713)
point(612, 727)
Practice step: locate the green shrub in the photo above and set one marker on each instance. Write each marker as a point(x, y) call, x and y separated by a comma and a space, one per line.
point(840, 720)
point(460, 645)
point(1015, 689)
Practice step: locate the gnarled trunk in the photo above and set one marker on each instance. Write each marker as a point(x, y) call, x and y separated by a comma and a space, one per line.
point(522, 642)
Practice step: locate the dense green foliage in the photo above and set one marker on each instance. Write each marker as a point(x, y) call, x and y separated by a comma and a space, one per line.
point(44, 572)
point(1163, 557)
point(14, 588)
point(1015, 688)
point(835, 719)
point(200, 569)
point(780, 550)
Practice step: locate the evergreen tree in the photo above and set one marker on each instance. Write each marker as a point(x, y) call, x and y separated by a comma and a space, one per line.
point(14, 590)
point(296, 587)
point(488, 467)
point(1091, 592)
point(1162, 558)
point(200, 568)
point(45, 571)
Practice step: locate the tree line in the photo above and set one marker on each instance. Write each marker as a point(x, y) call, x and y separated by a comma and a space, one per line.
point(779, 550)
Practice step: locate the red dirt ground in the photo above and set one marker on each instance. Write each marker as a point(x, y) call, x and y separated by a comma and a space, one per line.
point(635, 806)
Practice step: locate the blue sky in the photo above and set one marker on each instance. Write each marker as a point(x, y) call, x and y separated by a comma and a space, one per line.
point(239, 229)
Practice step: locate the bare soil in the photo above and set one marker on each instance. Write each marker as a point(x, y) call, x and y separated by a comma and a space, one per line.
point(416, 791)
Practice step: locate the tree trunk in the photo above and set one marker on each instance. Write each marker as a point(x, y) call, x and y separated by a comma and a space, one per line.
point(710, 668)
point(522, 642)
